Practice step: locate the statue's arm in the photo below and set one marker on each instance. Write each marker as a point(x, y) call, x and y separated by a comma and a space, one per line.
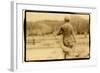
point(60, 31)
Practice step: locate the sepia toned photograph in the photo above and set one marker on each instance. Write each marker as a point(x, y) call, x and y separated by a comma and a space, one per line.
point(56, 35)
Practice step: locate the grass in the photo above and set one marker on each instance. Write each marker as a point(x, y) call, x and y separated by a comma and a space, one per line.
point(49, 47)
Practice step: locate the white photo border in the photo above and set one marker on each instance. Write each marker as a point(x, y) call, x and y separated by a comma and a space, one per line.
point(17, 62)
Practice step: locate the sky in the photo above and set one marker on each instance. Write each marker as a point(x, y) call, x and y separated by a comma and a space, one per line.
point(37, 16)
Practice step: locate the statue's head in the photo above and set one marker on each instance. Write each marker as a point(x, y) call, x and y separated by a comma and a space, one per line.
point(67, 19)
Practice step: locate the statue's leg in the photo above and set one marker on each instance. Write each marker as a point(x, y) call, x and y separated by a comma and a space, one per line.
point(66, 53)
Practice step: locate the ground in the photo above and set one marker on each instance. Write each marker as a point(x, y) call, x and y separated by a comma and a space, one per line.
point(49, 47)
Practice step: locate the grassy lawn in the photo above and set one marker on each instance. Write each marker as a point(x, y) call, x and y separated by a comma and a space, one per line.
point(49, 47)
